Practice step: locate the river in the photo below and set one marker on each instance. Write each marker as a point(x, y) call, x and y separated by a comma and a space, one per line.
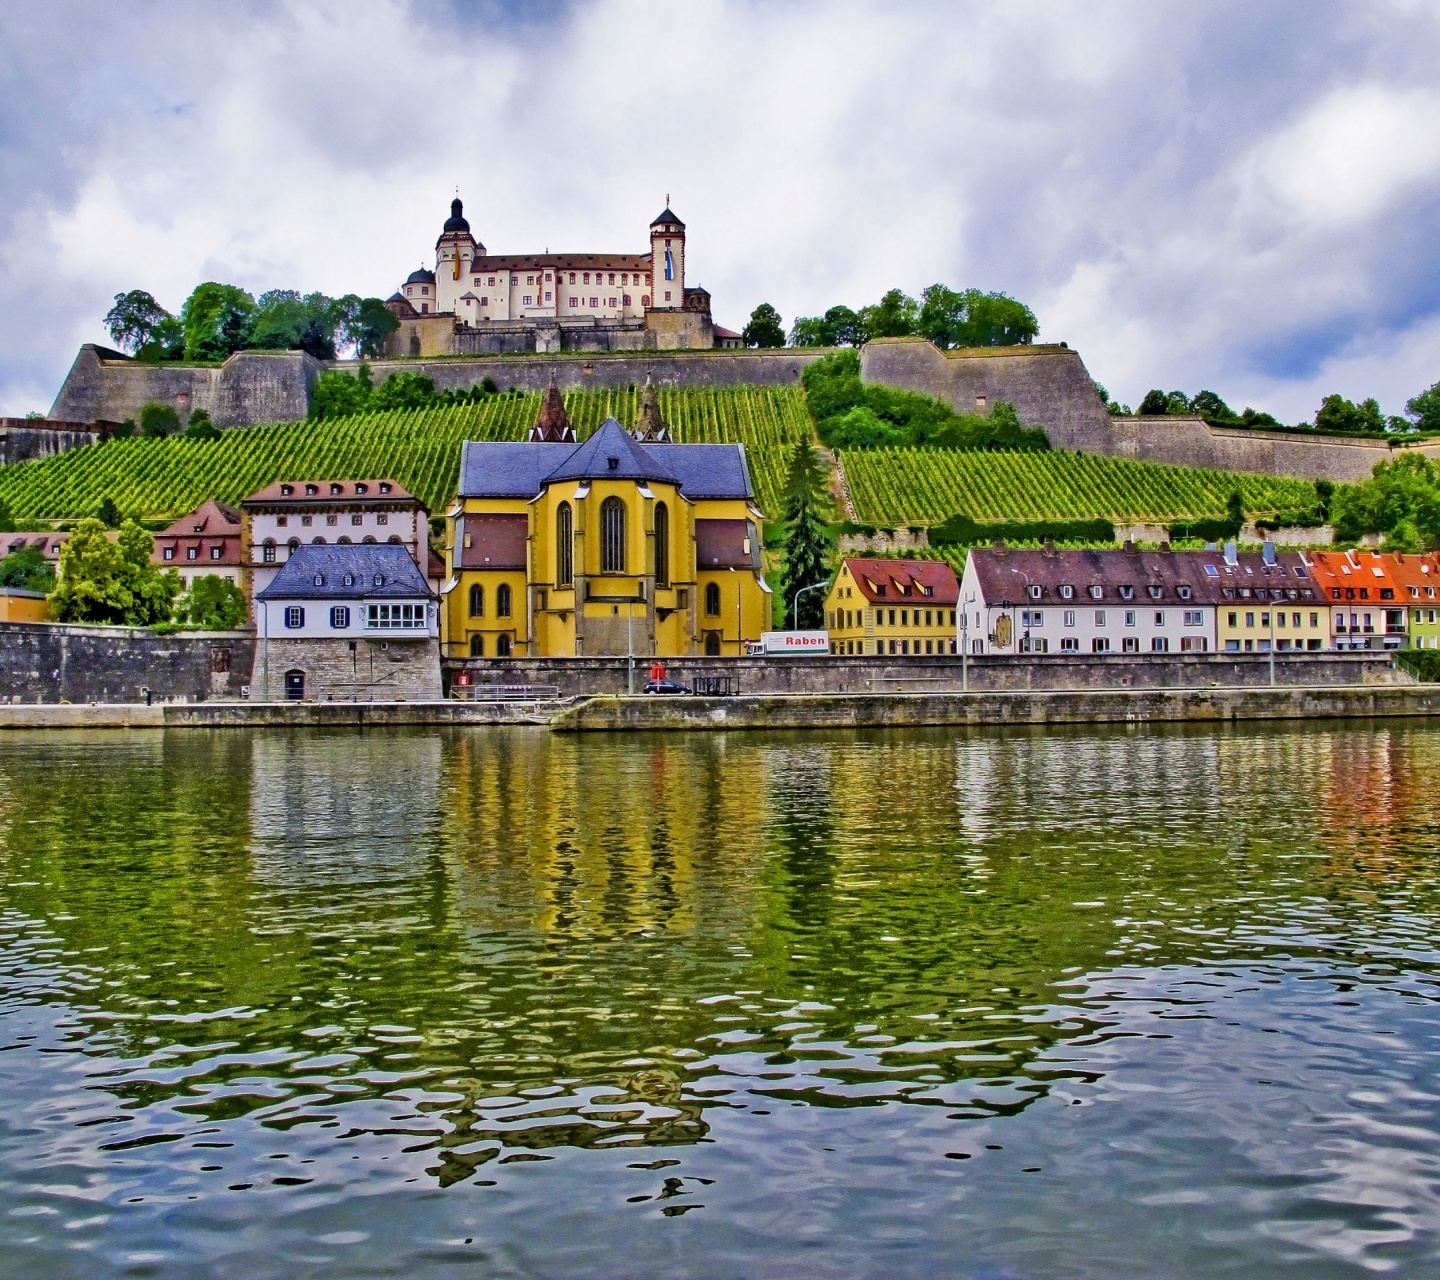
point(1010, 1005)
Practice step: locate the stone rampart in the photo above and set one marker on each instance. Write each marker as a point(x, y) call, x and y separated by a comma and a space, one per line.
point(22, 439)
point(824, 673)
point(45, 662)
point(249, 388)
point(1050, 387)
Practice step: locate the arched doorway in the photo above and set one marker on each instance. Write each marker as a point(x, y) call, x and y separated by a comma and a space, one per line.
point(712, 644)
point(294, 685)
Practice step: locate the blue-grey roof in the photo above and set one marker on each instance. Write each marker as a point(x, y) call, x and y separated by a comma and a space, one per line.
point(492, 469)
point(611, 454)
point(362, 562)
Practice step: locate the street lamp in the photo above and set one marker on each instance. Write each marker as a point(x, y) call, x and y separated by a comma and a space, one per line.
point(795, 600)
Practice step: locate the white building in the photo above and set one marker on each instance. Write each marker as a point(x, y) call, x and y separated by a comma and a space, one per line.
point(1092, 602)
point(289, 514)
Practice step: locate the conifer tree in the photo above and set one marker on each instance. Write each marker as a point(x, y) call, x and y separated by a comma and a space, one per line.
point(807, 541)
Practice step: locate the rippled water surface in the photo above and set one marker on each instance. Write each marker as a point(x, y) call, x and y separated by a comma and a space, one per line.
point(505, 1003)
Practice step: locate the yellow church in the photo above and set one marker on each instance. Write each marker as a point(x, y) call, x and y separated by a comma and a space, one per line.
point(625, 544)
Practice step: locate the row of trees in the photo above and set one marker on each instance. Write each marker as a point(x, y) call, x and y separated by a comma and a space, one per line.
point(219, 319)
point(948, 317)
point(1336, 414)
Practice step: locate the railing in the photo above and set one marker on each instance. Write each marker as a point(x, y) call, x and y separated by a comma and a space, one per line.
point(715, 686)
point(505, 692)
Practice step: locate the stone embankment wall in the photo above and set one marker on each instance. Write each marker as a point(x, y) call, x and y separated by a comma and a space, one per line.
point(250, 387)
point(1051, 387)
point(348, 671)
point(573, 677)
point(54, 663)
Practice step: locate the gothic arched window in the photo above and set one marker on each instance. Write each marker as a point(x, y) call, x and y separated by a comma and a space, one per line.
point(662, 545)
point(477, 646)
point(564, 547)
point(502, 600)
point(712, 599)
point(612, 536)
point(477, 601)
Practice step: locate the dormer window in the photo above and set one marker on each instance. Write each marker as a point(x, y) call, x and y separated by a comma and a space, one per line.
point(286, 490)
point(379, 579)
point(1067, 592)
point(312, 489)
point(879, 588)
point(362, 489)
point(1155, 592)
point(1183, 591)
point(337, 489)
point(319, 579)
point(349, 579)
point(613, 463)
point(1127, 592)
point(384, 488)
point(1033, 591)
point(1096, 592)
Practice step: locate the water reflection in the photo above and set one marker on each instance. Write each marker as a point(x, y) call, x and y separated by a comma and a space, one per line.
point(439, 959)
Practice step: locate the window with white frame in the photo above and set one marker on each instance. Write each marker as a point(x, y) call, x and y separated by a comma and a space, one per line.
point(1069, 617)
point(389, 617)
point(1100, 618)
point(294, 617)
point(1159, 617)
point(1070, 644)
point(339, 617)
point(1194, 618)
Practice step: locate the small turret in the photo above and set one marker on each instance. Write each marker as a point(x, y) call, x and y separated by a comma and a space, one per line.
point(651, 428)
point(553, 424)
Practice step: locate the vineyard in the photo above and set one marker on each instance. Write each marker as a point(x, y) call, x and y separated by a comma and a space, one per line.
point(420, 449)
point(923, 486)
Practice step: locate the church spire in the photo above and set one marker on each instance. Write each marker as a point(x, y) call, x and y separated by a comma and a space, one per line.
point(651, 428)
point(553, 424)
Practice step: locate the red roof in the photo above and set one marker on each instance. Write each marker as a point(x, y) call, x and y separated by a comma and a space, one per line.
point(891, 579)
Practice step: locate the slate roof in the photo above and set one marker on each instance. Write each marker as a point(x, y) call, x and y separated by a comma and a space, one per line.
point(420, 276)
point(349, 492)
point(362, 562)
point(492, 469)
point(500, 262)
point(612, 454)
point(667, 216)
point(456, 220)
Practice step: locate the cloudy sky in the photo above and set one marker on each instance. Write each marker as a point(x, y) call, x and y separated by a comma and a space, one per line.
point(1237, 195)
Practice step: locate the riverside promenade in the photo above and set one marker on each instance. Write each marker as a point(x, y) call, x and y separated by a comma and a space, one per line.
point(640, 713)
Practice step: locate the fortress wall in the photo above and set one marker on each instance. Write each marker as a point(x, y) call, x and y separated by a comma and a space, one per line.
point(23, 438)
point(610, 370)
point(250, 387)
point(1049, 386)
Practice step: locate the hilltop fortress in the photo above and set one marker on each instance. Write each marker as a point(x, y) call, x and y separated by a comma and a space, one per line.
point(475, 302)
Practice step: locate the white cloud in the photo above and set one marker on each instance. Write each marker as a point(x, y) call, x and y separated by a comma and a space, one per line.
point(1177, 200)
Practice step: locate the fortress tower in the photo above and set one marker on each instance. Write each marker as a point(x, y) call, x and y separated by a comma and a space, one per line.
point(667, 253)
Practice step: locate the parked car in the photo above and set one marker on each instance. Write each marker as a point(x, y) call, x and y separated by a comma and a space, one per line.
point(665, 686)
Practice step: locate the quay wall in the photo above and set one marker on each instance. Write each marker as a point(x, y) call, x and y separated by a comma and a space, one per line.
point(777, 711)
point(823, 673)
point(54, 662)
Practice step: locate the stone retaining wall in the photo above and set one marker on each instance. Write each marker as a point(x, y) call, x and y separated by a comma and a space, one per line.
point(50, 662)
point(574, 677)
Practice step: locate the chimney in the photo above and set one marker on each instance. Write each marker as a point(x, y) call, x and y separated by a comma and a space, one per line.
point(1267, 554)
point(1000, 546)
point(1232, 555)
point(1130, 546)
point(1050, 547)
point(1165, 548)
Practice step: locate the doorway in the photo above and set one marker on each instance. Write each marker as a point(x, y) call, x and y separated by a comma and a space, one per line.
point(294, 685)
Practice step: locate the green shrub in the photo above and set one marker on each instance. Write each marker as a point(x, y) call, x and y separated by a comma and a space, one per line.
point(962, 531)
point(1423, 664)
point(213, 603)
point(158, 419)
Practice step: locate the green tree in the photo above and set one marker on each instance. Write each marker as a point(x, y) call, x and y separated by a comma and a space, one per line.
point(338, 394)
point(217, 320)
point(894, 316)
point(808, 544)
point(109, 513)
point(7, 517)
point(1406, 489)
point(1341, 415)
point(112, 582)
point(1424, 409)
point(213, 603)
point(1212, 408)
point(27, 570)
point(285, 321)
point(973, 318)
point(200, 427)
point(159, 419)
point(765, 328)
point(1155, 402)
point(132, 321)
point(836, 328)
point(366, 323)
point(404, 391)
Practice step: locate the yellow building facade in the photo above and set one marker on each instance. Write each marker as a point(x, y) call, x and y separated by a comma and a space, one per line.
point(610, 547)
point(901, 607)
